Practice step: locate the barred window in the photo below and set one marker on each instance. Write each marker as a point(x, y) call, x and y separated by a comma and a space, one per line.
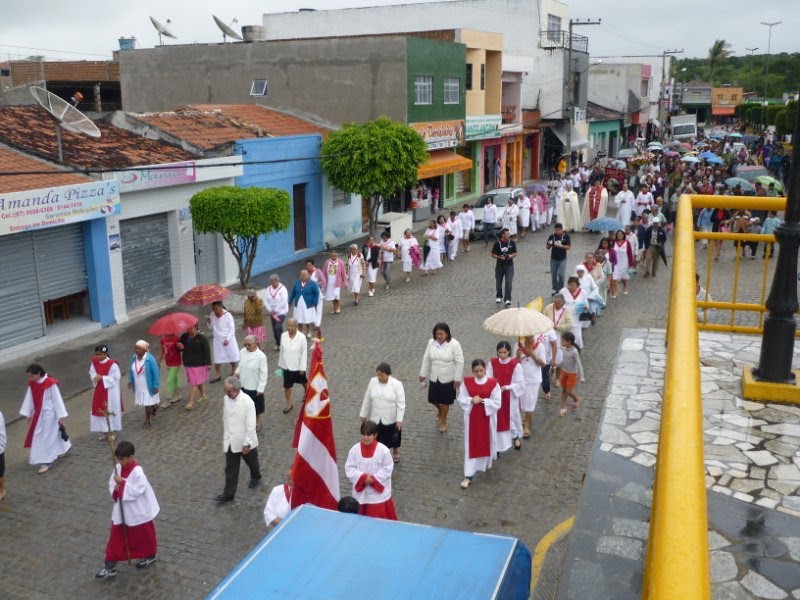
point(452, 90)
point(423, 89)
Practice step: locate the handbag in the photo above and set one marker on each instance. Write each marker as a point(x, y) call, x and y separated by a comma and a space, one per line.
point(63, 432)
point(585, 316)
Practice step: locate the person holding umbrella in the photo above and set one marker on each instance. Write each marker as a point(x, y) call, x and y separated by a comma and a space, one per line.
point(196, 354)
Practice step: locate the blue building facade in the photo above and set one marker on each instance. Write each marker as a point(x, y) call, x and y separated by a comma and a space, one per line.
point(292, 164)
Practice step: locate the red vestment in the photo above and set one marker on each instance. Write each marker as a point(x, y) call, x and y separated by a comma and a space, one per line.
point(504, 374)
point(37, 393)
point(100, 398)
point(480, 434)
point(141, 539)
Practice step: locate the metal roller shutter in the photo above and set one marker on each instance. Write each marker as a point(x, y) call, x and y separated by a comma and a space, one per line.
point(60, 261)
point(146, 260)
point(20, 305)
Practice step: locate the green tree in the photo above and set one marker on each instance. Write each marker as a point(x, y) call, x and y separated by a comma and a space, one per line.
point(375, 160)
point(719, 51)
point(241, 216)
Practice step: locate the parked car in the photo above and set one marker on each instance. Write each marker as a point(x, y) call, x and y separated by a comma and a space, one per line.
point(500, 198)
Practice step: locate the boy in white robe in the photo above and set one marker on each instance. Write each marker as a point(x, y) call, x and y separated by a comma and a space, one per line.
point(45, 410)
point(480, 398)
point(279, 502)
point(369, 468)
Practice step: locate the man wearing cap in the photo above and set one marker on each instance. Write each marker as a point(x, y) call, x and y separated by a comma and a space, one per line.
point(654, 240)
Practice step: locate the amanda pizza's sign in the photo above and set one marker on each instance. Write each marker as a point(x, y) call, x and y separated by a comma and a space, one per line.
point(50, 207)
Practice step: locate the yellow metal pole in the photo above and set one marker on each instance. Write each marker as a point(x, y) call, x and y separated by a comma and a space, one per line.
point(764, 284)
point(737, 248)
point(677, 550)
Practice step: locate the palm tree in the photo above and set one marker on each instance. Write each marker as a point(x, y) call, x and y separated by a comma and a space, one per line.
point(719, 51)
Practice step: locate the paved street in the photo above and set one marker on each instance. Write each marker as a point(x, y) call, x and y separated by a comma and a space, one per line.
point(54, 526)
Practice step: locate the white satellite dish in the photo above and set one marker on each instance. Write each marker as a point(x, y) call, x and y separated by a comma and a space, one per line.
point(65, 115)
point(162, 30)
point(226, 29)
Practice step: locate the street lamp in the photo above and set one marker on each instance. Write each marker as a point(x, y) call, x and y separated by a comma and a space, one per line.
point(777, 342)
point(750, 78)
point(769, 47)
point(662, 104)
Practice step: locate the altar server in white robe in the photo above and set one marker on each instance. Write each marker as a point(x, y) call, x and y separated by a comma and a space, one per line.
point(279, 502)
point(44, 408)
point(480, 398)
point(508, 372)
point(105, 377)
point(369, 468)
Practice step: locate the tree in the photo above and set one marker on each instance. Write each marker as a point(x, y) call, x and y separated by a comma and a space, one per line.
point(241, 216)
point(375, 160)
point(719, 51)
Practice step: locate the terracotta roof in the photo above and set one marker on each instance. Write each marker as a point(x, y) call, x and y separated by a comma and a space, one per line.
point(11, 160)
point(29, 128)
point(30, 71)
point(209, 125)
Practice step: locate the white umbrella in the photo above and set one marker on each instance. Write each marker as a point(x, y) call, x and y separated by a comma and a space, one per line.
point(518, 322)
point(690, 159)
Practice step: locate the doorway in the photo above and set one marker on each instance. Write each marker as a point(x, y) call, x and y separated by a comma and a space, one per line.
point(299, 205)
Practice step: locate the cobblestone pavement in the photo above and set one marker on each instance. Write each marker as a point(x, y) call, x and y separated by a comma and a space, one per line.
point(54, 526)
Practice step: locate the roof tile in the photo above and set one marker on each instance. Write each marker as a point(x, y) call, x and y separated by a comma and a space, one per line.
point(12, 161)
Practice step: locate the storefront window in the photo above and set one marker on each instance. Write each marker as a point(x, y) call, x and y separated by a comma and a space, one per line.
point(423, 89)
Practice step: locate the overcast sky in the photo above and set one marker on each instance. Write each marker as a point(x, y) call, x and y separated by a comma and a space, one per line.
point(90, 28)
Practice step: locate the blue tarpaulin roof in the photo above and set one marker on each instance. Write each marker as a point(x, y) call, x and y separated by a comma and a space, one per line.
point(317, 554)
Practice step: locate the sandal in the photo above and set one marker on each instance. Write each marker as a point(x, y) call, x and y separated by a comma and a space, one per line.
point(43, 469)
point(465, 483)
point(202, 399)
point(286, 411)
point(576, 405)
point(562, 412)
point(518, 444)
point(548, 396)
point(189, 407)
point(396, 458)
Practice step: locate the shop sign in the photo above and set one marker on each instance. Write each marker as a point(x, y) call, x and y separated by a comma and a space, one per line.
point(50, 207)
point(441, 134)
point(580, 115)
point(484, 126)
point(157, 176)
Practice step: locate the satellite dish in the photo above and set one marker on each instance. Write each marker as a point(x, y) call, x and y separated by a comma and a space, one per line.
point(226, 29)
point(162, 30)
point(65, 115)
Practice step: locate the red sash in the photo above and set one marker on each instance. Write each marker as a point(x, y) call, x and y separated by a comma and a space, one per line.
point(504, 374)
point(37, 392)
point(124, 473)
point(100, 398)
point(480, 432)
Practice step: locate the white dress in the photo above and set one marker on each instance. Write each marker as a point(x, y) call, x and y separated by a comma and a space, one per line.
point(141, 395)
point(621, 268)
point(434, 261)
point(510, 217)
point(525, 212)
point(47, 444)
point(354, 276)
point(372, 272)
point(573, 303)
point(405, 252)
point(223, 328)
point(491, 405)
point(111, 383)
point(532, 373)
point(321, 302)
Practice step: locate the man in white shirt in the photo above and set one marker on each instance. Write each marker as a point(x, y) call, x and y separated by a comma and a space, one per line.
point(456, 231)
point(276, 302)
point(252, 373)
point(467, 218)
point(624, 201)
point(388, 250)
point(489, 221)
point(239, 438)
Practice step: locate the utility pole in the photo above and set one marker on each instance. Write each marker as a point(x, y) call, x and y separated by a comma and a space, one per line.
point(769, 47)
point(571, 84)
point(750, 78)
point(662, 103)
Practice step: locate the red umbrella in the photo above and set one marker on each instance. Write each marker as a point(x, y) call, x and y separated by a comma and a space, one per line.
point(173, 323)
point(200, 295)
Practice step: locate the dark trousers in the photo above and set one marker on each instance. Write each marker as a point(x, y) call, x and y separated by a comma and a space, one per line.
point(558, 270)
point(489, 233)
point(232, 460)
point(502, 272)
point(546, 378)
point(277, 328)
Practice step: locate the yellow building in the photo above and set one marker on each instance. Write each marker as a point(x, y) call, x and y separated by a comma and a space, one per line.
point(724, 101)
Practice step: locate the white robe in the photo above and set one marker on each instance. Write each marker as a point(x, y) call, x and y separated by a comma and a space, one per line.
point(571, 303)
point(379, 467)
point(223, 328)
point(532, 376)
point(140, 504)
point(434, 260)
point(569, 211)
point(525, 212)
point(111, 383)
point(405, 252)
point(491, 405)
point(47, 444)
point(277, 506)
point(505, 439)
point(510, 217)
point(624, 202)
point(321, 302)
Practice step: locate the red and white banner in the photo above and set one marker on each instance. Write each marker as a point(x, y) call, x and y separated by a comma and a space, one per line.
point(314, 471)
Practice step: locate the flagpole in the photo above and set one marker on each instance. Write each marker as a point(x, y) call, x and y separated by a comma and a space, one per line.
point(111, 438)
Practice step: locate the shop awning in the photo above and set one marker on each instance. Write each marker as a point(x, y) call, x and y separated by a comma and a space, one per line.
point(578, 140)
point(721, 111)
point(442, 162)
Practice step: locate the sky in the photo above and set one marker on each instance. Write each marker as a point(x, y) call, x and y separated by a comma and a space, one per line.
point(89, 29)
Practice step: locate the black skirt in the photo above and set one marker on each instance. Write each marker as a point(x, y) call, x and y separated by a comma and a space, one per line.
point(292, 377)
point(389, 435)
point(258, 400)
point(441, 393)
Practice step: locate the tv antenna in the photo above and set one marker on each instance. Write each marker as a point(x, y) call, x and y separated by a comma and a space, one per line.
point(162, 30)
point(65, 115)
point(226, 29)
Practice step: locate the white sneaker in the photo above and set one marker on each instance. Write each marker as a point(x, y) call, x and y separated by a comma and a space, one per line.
point(498, 300)
point(371, 293)
point(508, 302)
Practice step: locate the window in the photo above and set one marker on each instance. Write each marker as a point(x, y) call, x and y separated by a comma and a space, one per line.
point(468, 80)
point(553, 28)
point(483, 76)
point(258, 87)
point(720, 96)
point(452, 90)
point(423, 89)
point(645, 88)
point(341, 198)
point(733, 97)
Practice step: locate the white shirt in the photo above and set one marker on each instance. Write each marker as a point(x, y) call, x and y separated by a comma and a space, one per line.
point(490, 213)
point(384, 402)
point(276, 300)
point(456, 228)
point(252, 370)
point(387, 250)
point(293, 352)
point(238, 423)
point(467, 219)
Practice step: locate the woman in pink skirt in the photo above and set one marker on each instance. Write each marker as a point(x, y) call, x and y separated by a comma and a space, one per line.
point(197, 362)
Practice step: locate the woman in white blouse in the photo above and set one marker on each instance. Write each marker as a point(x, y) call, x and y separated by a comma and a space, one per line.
point(385, 404)
point(443, 367)
point(292, 361)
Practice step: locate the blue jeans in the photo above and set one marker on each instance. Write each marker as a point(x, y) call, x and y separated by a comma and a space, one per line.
point(503, 274)
point(558, 270)
point(489, 233)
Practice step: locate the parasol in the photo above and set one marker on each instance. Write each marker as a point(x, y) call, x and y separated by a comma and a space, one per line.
point(670, 153)
point(604, 224)
point(518, 322)
point(200, 295)
point(177, 322)
point(618, 164)
point(735, 135)
point(536, 187)
point(745, 185)
point(707, 154)
point(690, 159)
point(715, 160)
point(766, 180)
point(627, 153)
